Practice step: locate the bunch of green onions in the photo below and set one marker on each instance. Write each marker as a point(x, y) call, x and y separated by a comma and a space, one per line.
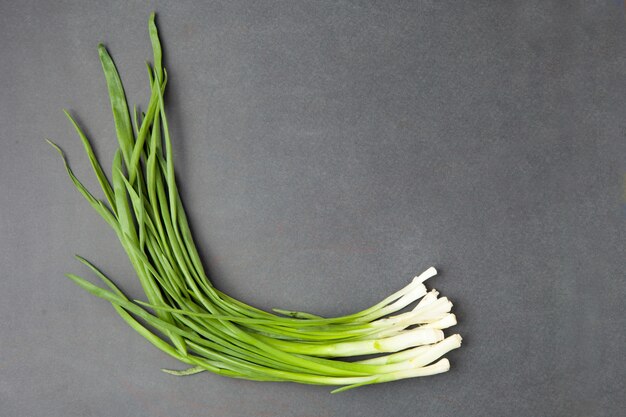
point(188, 318)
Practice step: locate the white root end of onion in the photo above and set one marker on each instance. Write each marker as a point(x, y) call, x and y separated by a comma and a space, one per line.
point(412, 292)
point(447, 321)
point(434, 311)
point(429, 273)
point(428, 299)
point(407, 339)
point(437, 368)
point(421, 353)
point(437, 350)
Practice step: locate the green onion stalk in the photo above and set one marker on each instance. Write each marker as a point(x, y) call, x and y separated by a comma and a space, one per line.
point(186, 317)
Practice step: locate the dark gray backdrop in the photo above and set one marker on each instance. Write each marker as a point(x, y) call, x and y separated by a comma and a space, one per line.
point(326, 153)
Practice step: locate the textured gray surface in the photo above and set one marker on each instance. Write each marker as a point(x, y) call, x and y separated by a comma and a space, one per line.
point(328, 151)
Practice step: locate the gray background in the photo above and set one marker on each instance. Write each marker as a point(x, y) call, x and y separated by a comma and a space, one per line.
point(327, 152)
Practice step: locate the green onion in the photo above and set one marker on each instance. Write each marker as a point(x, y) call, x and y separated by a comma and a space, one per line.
point(188, 318)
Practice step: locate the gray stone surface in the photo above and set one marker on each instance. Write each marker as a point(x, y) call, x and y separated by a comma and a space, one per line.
point(326, 153)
